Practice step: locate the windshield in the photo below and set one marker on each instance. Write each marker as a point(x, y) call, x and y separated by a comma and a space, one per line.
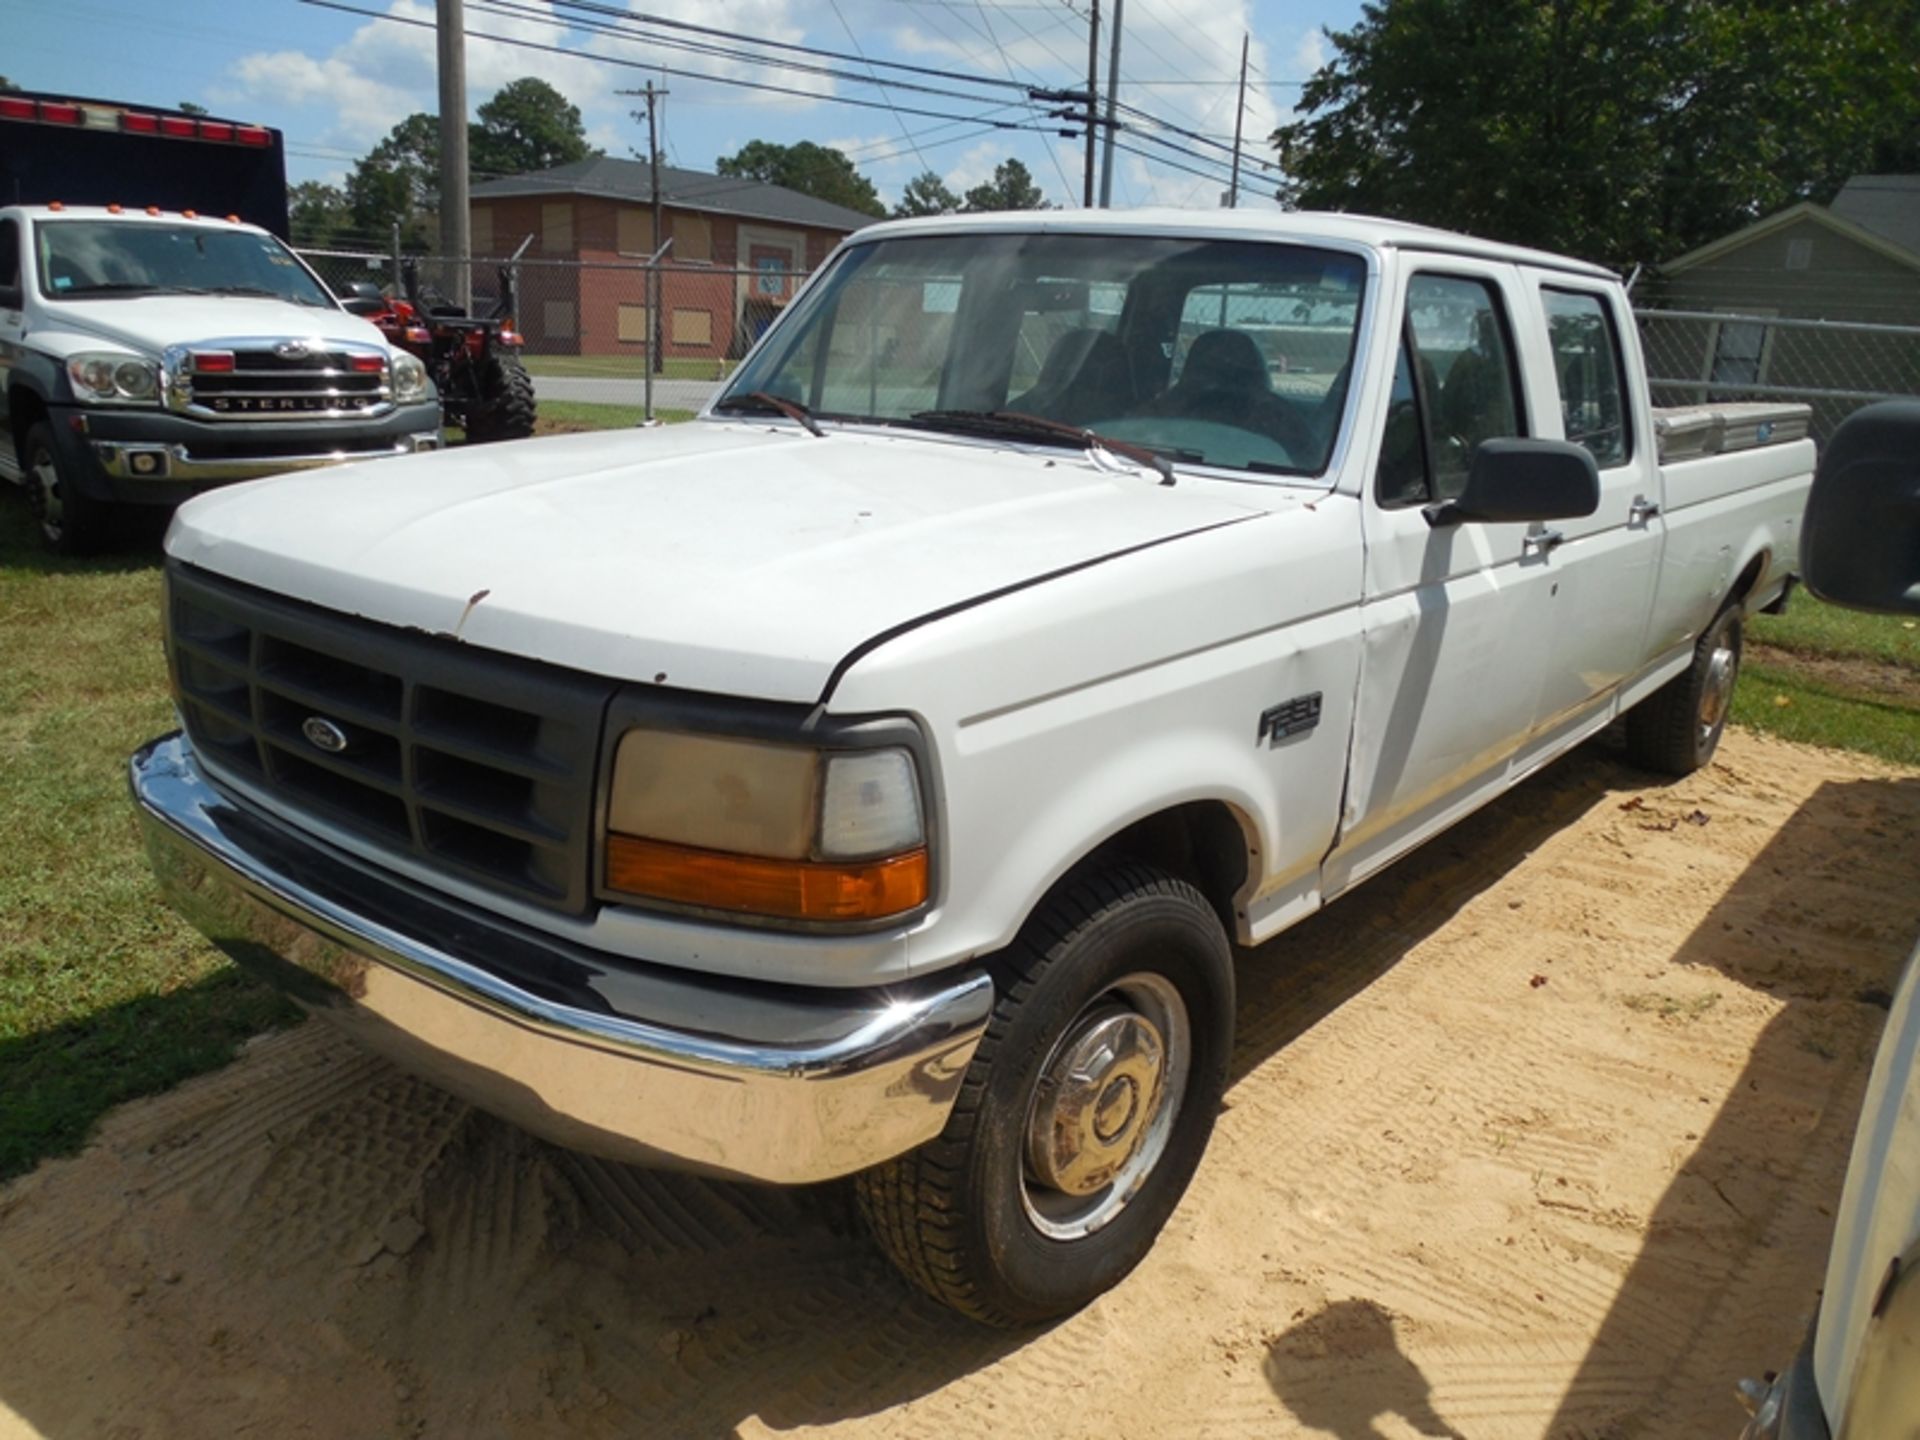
point(96, 258)
point(1219, 352)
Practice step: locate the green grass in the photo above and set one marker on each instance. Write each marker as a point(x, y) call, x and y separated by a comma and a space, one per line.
point(560, 417)
point(1813, 627)
point(104, 993)
point(1814, 712)
point(626, 367)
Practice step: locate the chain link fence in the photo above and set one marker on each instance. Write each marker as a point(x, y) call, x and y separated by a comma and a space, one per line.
point(1835, 366)
point(591, 328)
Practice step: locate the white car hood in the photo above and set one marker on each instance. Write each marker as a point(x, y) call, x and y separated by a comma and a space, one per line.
point(733, 558)
point(150, 323)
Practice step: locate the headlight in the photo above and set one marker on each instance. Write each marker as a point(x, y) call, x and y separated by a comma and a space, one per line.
point(782, 831)
point(409, 378)
point(103, 378)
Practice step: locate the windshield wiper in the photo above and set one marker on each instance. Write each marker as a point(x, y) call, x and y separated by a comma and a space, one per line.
point(110, 287)
point(1015, 422)
point(761, 400)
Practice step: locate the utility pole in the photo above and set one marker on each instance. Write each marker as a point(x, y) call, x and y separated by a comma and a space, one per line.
point(1093, 99)
point(1239, 114)
point(455, 235)
point(655, 331)
point(1113, 92)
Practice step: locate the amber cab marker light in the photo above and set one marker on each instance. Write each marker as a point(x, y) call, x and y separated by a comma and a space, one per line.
point(778, 889)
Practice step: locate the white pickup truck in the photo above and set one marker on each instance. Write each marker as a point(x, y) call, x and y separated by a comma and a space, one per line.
point(874, 776)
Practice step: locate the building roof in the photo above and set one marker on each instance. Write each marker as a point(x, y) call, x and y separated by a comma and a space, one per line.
point(1882, 195)
point(1888, 205)
point(612, 179)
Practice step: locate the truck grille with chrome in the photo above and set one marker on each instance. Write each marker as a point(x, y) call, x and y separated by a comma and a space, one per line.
point(476, 764)
point(282, 380)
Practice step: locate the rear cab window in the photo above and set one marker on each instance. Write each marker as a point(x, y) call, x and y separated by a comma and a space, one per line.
point(1589, 373)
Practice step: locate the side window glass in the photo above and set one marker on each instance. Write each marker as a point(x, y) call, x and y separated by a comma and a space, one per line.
point(1466, 373)
point(9, 255)
point(1586, 365)
point(1402, 476)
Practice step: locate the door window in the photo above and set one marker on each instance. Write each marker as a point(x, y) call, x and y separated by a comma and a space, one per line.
point(10, 260)
point(1586, 366)
point(1456, 386)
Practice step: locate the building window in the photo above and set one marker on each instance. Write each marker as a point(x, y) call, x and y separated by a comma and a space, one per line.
point(556, 228)
point(1800, 253)
point(556, 319)
point(692, 327)
point(633, 324)
point(481, 230)
point(772, 278)
point(1739, 353)
point(635, 231)
point(692, 237)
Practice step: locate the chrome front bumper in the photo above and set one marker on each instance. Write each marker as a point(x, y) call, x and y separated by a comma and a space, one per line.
point(134, 460)
point(636, 1062)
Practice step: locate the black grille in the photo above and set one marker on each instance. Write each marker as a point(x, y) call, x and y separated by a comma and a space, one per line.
point(477, 763)
point(316, 382)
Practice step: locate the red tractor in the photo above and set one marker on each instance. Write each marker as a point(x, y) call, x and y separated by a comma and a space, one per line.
point(474, 360)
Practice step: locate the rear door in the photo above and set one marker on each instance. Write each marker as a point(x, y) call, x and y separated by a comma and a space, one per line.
point(1605, 564)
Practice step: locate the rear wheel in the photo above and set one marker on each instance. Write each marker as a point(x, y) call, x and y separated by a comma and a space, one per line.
point(71, 523)
point(505, 410)
point(1085, 1111)
point(1676, 729)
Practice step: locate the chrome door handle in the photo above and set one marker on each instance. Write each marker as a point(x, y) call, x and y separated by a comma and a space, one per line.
point(1642, 509)
point(1543, 540)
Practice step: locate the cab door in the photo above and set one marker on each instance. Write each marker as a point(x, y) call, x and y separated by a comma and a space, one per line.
point(1604, 564)
point(1456, 619)
point(12, 329)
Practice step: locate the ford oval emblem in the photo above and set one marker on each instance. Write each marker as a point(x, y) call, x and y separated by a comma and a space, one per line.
point(290, 349)
point(323, 734)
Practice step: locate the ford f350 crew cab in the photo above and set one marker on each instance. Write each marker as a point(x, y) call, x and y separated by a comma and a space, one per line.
point(873, 776)
point(149, 352)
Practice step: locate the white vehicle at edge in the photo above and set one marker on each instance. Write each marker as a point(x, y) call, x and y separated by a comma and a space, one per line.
point(1858, 1375)
point(870, 777)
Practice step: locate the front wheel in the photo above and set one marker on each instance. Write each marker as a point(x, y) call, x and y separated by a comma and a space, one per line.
point(71, 522)
point(1084, 1113)
point(1676, 729)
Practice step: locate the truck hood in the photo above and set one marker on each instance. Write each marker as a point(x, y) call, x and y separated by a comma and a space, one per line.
point(150, 323)
point(733, 558)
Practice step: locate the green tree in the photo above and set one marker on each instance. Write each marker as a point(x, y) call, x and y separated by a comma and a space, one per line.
point(319, 213)
point(816, 170)
point(527, 125)
point(1621, 130)
point(926, 194)
point(1011, 188)
point(6, 85)
point(399, 179)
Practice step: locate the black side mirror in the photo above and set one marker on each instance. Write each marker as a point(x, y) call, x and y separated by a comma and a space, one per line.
point(1517, 480)
point(1860, 545)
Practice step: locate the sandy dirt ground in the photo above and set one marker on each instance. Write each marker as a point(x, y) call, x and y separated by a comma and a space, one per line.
point(1539, 1134)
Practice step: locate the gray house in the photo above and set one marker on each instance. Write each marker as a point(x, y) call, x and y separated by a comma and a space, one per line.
point(1857, 260)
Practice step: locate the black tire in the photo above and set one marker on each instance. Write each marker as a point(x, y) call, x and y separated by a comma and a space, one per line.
point(1676, 729)
point(70, 522)
point(506, 408)
point(960, 1215)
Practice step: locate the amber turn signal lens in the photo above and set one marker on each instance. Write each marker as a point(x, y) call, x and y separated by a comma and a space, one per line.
point(783, 889)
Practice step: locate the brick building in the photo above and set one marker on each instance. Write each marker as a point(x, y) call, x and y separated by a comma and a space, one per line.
point(740, 249)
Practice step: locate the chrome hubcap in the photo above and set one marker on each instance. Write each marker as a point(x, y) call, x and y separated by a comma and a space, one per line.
point(44, 490)
point(1717, 693)
point(1104, 1106)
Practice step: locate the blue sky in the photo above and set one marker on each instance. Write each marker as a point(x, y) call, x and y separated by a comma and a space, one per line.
point(335, 82)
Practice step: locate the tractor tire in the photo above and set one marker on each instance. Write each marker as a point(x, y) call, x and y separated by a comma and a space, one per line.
point(505, 410)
